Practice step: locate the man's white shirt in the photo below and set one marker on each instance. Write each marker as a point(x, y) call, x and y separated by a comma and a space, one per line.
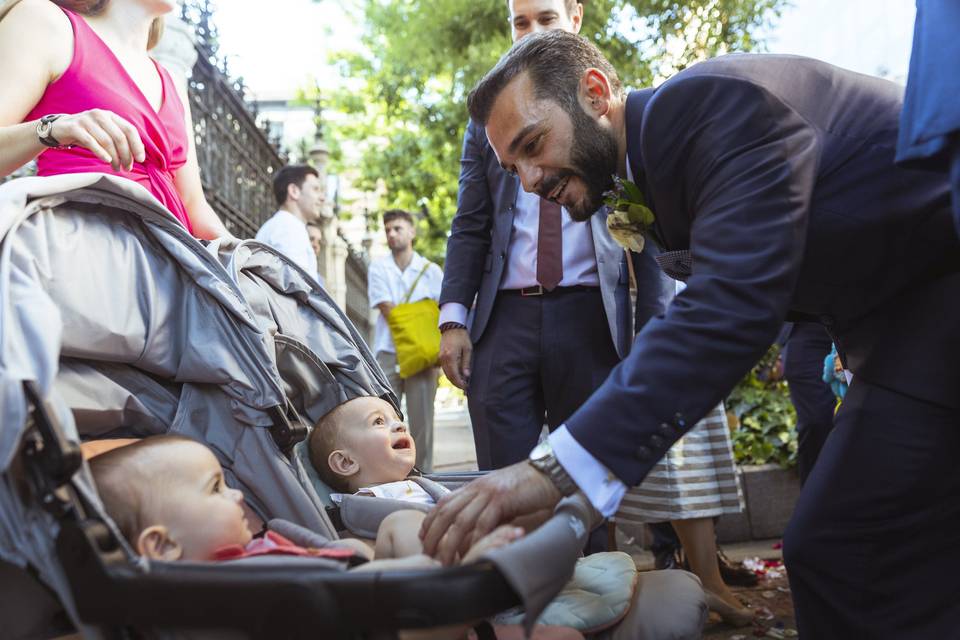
point(387, 283)
point(287, 234)
point(602, 488)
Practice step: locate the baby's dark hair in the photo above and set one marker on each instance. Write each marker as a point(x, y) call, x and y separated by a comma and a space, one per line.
point(324, 440)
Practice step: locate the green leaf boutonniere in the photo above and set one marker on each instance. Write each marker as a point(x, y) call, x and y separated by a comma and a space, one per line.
point(629, 216)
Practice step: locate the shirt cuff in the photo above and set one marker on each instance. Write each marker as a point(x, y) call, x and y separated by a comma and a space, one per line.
point(602, 488)
point(453, 312)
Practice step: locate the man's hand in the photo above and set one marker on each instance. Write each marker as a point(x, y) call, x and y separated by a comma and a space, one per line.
point(463, 517)
point(455, 353)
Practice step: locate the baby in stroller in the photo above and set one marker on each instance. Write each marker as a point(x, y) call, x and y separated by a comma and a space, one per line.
point(169, 497)
point(362, 447)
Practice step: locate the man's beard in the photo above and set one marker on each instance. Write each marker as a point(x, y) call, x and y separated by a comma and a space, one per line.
point(594, 159)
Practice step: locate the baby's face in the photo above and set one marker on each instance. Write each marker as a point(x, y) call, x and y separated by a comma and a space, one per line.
point(200, 511)
point(375, 437)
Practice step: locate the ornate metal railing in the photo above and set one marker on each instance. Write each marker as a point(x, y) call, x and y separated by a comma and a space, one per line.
point(356, 299)
point(237, 158)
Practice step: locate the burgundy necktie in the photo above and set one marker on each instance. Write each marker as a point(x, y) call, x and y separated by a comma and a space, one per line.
point(549, 246)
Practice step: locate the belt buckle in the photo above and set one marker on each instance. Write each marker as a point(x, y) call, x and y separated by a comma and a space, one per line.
point(536, 290)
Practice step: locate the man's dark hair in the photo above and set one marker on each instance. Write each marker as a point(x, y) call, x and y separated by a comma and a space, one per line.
point(393, 214)
point(288, 175)
point(555, 60)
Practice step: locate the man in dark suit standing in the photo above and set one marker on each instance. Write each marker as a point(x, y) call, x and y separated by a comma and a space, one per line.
point(806, 347)
point(777, 174)
point(549, 291)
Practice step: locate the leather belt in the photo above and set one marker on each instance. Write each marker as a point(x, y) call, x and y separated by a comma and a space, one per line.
point(538, 290)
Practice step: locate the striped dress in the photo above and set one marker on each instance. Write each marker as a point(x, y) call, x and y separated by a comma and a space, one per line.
point(696, 479)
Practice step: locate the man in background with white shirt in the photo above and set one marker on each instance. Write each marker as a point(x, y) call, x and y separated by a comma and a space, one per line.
point(389, 279)
point(300, 196)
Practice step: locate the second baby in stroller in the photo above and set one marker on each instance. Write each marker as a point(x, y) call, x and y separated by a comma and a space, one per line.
point(362, 447)
point(169, 497)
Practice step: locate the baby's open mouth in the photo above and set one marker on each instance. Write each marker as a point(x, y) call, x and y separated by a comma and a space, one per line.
point(402, 443)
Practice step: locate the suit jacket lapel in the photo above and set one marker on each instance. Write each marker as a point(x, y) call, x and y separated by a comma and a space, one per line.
point(636, 105)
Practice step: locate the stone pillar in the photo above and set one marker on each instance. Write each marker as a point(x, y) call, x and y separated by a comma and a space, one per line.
point(176, 50)
point(332, 261)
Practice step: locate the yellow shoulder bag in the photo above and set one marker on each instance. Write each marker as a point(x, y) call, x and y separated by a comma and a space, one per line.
point(416, 336)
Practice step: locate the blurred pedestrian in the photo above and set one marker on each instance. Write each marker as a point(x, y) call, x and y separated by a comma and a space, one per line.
point(300, 197)
point(402, 277)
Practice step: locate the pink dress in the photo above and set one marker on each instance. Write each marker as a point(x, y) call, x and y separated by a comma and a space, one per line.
point(95, 79)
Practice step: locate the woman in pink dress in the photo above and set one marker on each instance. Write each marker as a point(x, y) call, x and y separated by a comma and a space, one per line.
point(81, 94)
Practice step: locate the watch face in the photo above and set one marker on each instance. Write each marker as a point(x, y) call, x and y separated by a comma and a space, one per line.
point(44, 129)
point(540, 451)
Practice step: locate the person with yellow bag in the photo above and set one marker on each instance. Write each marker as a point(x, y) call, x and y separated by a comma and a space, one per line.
point(404, 286)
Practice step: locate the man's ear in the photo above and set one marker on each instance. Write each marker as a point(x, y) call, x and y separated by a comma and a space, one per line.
point(595, 92)
point(577, 18)
point(293, 191)
point(342, 464)
point(155, 543)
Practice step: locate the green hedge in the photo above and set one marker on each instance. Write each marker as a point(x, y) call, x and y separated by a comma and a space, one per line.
point(762, 418)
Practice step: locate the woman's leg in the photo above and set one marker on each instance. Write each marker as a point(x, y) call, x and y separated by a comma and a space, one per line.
point(700, 546)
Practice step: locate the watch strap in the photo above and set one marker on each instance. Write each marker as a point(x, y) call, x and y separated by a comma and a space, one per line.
point(44, 128)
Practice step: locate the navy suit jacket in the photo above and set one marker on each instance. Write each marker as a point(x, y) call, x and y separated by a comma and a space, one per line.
point(778, 174)
point(477, 250)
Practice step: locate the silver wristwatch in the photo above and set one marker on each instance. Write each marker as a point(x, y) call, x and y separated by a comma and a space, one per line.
point(44, 127)
point(543, 460)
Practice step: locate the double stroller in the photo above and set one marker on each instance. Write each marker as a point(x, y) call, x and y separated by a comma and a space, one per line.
point(115, 322)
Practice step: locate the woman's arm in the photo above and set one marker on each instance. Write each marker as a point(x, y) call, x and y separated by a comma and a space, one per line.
point(204, 220)
point(36, 44)
point(36, 47)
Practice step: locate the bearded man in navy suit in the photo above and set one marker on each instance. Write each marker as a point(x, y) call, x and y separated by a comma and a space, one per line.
point(774, 187)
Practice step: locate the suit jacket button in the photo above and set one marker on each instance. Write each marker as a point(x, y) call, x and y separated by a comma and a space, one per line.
point(657, 441)
point(644, 453)
point(680, 421)
point(666, 430)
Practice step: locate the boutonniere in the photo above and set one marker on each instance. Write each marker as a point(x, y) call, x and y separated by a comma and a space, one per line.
point(629, 217)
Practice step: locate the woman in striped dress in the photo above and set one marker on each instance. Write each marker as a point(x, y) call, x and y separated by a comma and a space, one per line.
point(693, 484)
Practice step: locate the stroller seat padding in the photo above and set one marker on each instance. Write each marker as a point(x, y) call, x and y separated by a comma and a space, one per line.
point(596, 598)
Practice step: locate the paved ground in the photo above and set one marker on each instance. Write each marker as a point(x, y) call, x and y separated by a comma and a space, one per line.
point(454, 451)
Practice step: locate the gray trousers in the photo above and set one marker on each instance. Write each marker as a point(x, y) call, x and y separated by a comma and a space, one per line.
point(420, 390)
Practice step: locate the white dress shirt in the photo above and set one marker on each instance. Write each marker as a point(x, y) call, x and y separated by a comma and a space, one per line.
point(520, 272)
point(602, 488)
point(387, 283)
point(287, 234)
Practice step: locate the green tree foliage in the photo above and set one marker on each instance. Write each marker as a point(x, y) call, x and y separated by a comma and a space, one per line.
point(403, 97)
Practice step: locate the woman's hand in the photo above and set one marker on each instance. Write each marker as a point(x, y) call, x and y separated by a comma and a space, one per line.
point(104, 133)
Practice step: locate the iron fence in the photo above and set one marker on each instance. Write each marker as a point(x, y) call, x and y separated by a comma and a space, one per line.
point(237, 158)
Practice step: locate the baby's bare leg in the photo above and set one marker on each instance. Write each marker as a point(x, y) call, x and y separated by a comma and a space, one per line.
point(399, 535)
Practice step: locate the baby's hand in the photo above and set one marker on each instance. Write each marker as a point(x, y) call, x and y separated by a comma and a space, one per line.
point(360, 547)
point(420, 561)
point(499, 537)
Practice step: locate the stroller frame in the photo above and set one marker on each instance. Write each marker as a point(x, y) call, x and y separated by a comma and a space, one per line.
point(113, 593)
